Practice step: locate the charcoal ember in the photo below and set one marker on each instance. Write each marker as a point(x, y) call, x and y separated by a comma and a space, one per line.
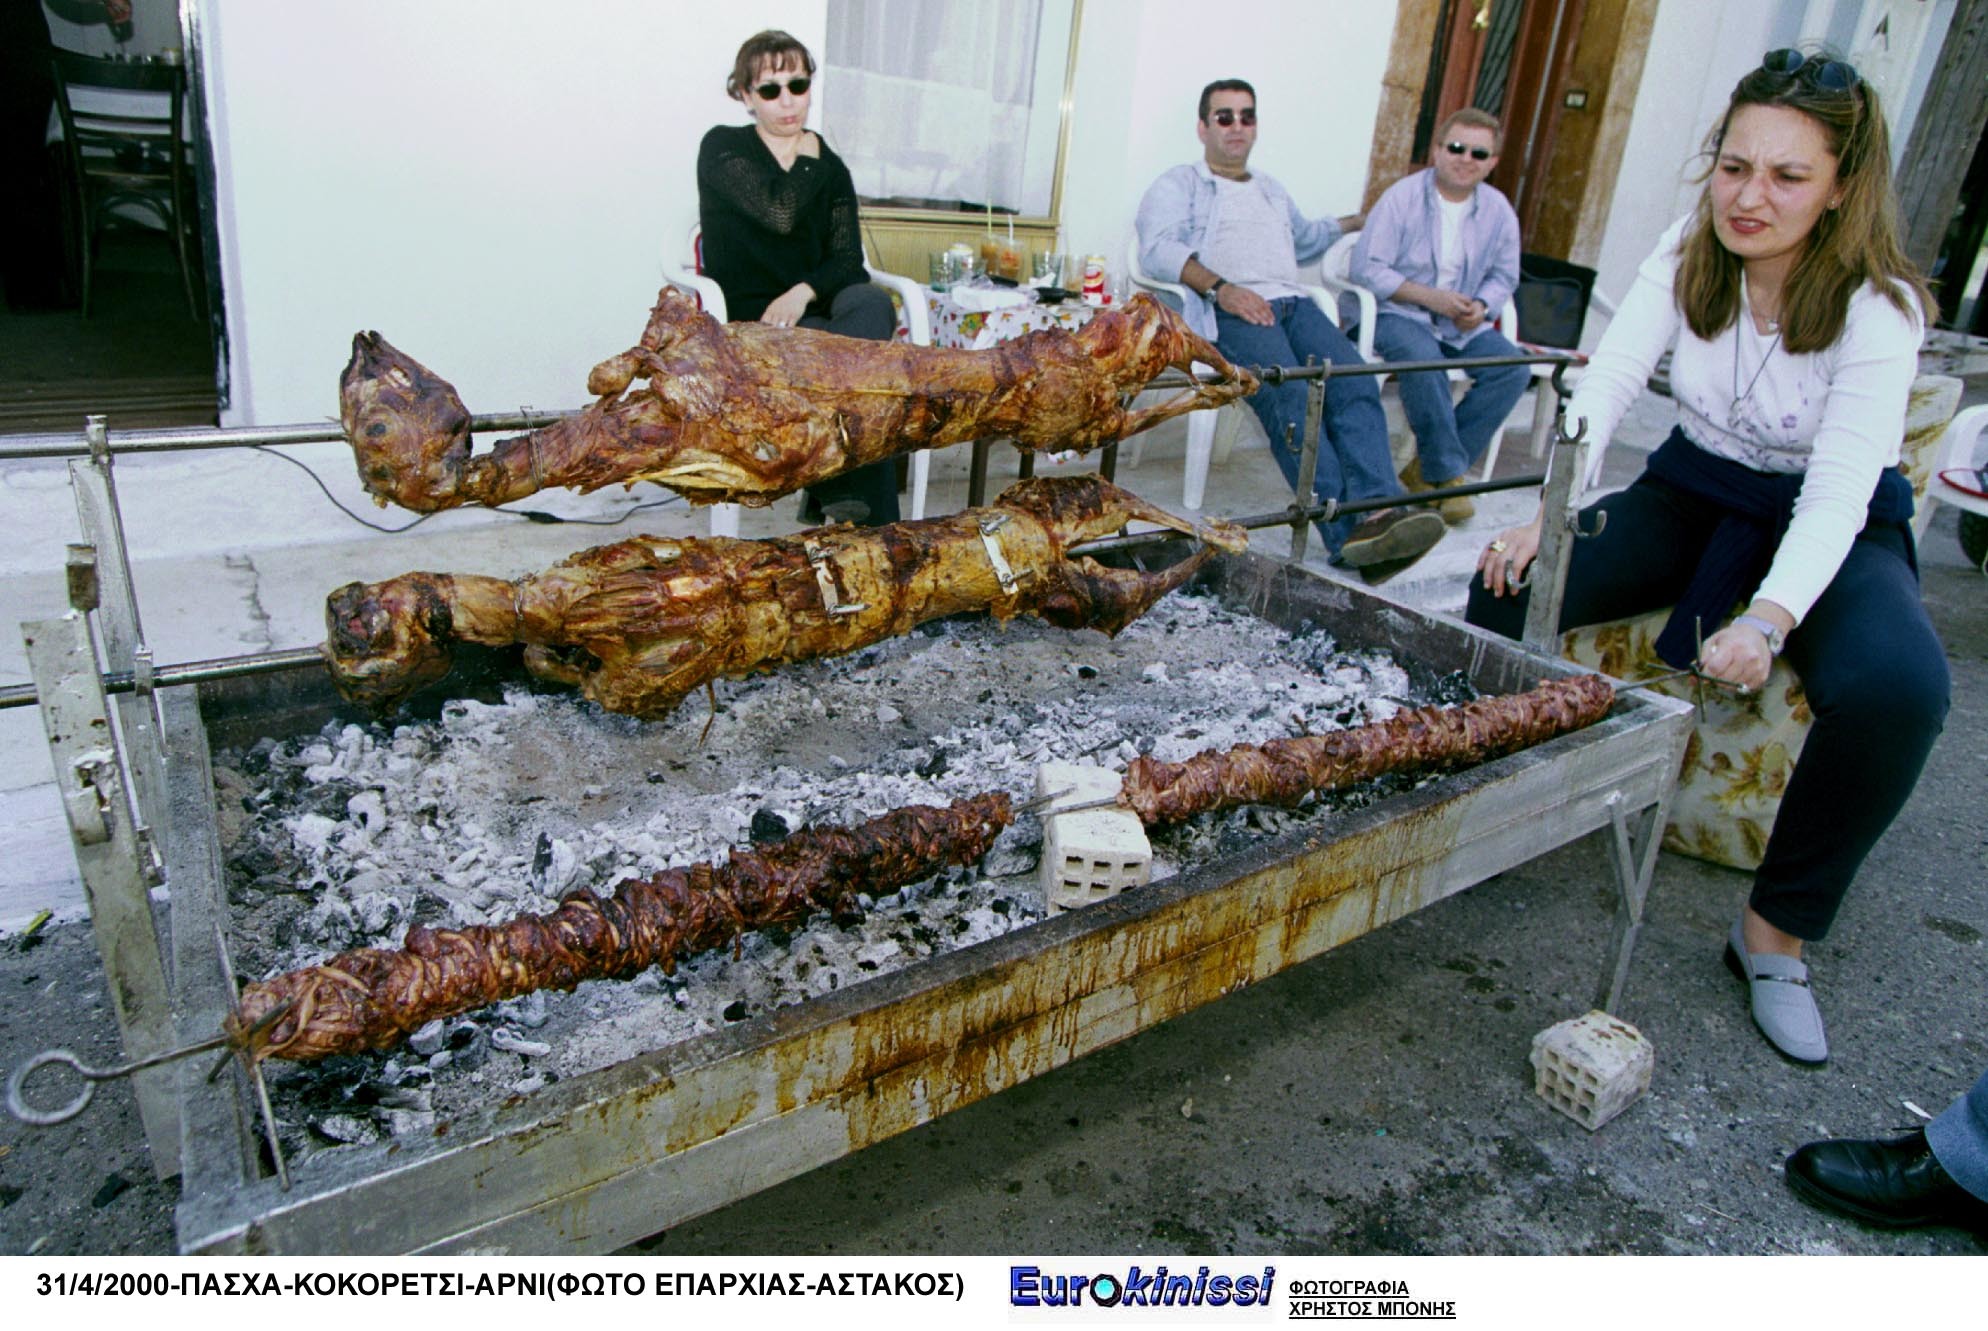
point(768, 826)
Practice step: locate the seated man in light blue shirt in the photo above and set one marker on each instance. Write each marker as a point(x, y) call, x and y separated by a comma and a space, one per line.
point(1235, 238)
point(1441, 253)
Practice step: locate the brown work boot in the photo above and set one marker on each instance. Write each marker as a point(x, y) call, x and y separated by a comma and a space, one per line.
point(1455, 511)
point(1393, 535)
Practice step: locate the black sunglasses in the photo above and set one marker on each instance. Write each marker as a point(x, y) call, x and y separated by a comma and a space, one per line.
point(1814, 70)
point(769, 92)
point(1227, 116)
point(1476, 154)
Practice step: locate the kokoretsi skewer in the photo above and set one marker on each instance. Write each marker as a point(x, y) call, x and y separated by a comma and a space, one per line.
point(1425, 740)
point(372, 998)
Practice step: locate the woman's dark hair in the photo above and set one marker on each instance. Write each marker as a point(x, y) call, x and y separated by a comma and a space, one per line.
point(772, 49)
point(1854, 242)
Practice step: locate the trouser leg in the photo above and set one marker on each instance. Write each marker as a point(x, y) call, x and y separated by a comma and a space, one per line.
point(1281, 409)
point(864, 311)
point(1876, 680)
point(1425, 396)
point(1354, 423)
point(1494, 391)
point(1959, 1139)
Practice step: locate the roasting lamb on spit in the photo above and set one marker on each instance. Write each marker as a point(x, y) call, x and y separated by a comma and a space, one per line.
point(640, 624)
point(372, 998)
point(746, 412)
point(1423, 741)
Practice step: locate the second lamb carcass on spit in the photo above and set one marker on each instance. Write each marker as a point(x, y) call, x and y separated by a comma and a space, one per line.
point(746, 413)
point(640, 624)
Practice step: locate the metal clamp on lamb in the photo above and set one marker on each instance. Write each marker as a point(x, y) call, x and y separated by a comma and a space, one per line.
point(746, 413)
point(640, 624)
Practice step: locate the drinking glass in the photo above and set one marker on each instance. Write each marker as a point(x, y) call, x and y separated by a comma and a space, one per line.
point(945, 269)
point(1049, 269)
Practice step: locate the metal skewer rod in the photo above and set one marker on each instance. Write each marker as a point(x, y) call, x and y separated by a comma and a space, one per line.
point(1315, 513)
point(17, 1100)
point(67, 445)
point(296, 658)
point(247, 436)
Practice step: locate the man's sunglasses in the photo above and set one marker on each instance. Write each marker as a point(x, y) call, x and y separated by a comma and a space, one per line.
point(770, 92)
point(1829, 75)
point(1476, 154)
point(1228, 116)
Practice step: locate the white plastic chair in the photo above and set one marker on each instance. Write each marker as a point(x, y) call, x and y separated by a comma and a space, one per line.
point(1336, 271)
point(1201, 425)
point(1957, 451)
point(688, 275)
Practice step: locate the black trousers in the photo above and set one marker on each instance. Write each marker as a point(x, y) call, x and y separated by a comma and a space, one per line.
point(865, 311)
point(1869, 661)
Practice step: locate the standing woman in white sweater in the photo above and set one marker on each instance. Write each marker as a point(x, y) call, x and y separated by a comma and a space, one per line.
point(1796, 320)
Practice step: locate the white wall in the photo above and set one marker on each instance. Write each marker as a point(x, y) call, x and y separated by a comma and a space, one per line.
point(1697, 53)
point(1316, 69)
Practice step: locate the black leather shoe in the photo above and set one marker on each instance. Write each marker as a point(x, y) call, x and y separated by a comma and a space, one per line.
point(1895, 1183)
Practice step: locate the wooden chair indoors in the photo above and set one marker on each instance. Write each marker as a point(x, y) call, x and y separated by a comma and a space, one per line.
point(125, 151)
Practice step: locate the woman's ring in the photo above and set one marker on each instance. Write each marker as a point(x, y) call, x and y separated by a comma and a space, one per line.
point(1497, 547)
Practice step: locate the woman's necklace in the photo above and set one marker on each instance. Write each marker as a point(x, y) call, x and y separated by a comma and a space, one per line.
point(1736, 412)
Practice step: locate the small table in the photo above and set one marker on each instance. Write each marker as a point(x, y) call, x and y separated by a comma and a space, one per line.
point(954, 325)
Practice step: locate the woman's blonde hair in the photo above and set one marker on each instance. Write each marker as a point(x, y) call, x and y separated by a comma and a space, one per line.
point(1852, 243)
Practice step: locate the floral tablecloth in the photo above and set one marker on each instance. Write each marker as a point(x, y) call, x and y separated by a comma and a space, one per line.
point(976, 330)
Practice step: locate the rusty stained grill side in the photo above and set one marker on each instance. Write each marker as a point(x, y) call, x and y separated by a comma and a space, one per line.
point(597, 1161)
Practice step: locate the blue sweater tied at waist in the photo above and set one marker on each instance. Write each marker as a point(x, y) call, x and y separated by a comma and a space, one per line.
point(1757, 508)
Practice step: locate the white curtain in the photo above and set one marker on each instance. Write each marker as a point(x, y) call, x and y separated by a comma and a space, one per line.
point(929, 100)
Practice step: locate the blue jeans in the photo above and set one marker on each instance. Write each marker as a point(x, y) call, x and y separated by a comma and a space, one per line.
point(1353, 458)
point(1868, 658)
point(1959, 1139)
point(1450, 439)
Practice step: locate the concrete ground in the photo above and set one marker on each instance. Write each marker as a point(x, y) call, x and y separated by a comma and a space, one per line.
point(1376, 1100)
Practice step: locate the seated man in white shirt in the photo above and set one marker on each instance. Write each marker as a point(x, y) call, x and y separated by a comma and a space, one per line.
point(1234, 237)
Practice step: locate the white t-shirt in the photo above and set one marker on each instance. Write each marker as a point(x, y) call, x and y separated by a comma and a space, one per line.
point(1835, 415)
point(1449, 244)
point(1249, 240)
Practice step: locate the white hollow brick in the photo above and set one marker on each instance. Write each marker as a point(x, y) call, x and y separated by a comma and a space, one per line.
point(1591, 1067)
point(1093, 854)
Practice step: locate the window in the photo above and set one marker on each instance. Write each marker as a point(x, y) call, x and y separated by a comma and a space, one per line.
point(950, 107)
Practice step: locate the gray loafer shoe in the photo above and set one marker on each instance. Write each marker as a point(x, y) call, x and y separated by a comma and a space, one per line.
point(1783, 1007)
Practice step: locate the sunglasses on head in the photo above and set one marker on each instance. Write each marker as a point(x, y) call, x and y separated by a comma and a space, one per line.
point(770, 92)
point(1476, 154)
point(1228, 116)
point(1814, 70)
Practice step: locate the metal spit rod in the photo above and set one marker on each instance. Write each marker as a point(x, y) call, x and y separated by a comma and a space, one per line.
point(296, 658)
point(18, 447)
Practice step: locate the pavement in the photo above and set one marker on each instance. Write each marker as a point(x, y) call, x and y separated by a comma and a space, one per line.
point(1376, 1100)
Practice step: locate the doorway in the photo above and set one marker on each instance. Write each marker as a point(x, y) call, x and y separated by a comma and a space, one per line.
point(141, 357)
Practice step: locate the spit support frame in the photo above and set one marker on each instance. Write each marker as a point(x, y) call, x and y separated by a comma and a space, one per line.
point(595, 1161)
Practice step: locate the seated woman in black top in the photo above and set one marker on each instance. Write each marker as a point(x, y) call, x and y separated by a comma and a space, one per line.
point(780, 235)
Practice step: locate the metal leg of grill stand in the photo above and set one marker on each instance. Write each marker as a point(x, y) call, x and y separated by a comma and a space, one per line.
point(1557, 533)
point(1635, 859)
point(1307, 492)
point(1634, 848)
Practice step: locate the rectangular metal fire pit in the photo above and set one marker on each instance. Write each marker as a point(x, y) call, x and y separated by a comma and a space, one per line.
point(595, 1161)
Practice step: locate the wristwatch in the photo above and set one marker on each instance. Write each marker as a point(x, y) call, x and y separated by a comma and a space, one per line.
point(1220, 282)
point(1777, 638)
